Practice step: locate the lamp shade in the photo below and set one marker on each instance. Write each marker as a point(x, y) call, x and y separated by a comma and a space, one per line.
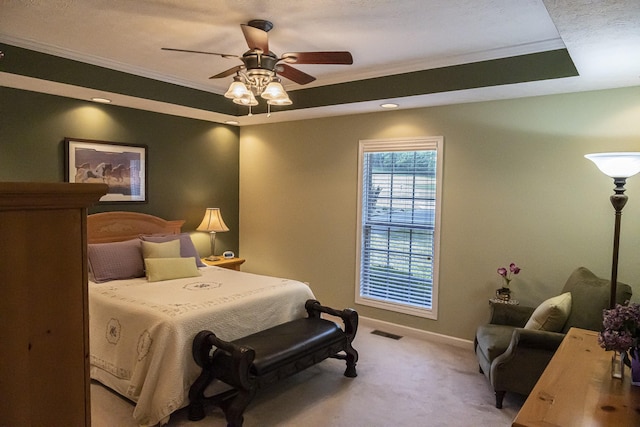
point(280, 101)
point(248, 99)
point(617, 165)
point(274, 90)
point(237, 89)
point(212, 221)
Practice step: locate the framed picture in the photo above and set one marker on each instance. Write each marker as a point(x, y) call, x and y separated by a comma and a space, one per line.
point(123, 167)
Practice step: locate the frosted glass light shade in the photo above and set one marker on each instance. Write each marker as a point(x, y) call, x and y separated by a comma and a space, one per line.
point(212, 221)
point(237, 90)
point(617, 165)
point(248, 100)
point(274, 90)
point(280, 101)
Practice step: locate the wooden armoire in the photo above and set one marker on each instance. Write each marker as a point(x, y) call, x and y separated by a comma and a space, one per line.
point(44, 336)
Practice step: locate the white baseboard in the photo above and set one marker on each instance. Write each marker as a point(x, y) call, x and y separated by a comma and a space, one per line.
point(415, 333)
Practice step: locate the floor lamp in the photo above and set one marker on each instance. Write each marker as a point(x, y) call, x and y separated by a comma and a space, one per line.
point(213, 223)
point(618, 166)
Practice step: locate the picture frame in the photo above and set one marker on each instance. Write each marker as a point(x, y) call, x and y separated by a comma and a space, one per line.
point(123, 167)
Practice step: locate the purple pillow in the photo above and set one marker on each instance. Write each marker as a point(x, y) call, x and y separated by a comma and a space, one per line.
point(187, 248)
point(114, 261)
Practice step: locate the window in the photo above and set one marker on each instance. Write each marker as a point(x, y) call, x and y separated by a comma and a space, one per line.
point(399, 187)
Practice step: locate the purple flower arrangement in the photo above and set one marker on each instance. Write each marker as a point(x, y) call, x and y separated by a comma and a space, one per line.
point(621, 330)
point(508, 273)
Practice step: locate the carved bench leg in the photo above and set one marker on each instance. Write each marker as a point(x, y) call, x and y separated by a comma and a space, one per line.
point(196, 411)
point(352, 359)
point(200, 350)
point(499, 397)
point(196, 395)
point(350, 318)
point(234, 409)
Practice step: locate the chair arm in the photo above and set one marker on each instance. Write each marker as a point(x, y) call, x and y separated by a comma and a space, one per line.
point(521, 365)
point(532, 338)
point(510, 315)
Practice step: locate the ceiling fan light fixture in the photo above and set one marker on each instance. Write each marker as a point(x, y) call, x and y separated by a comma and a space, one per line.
point(257, 74)
point(274, 90)
point(247, 100)
point(237, 89)
point(280, 101)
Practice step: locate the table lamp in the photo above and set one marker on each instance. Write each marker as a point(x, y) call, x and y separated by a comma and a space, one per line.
point(213, 223)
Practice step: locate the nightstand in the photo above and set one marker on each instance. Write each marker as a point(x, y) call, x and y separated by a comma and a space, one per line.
point(230, 263)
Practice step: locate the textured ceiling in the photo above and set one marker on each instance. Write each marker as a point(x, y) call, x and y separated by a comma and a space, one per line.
point(386, 38)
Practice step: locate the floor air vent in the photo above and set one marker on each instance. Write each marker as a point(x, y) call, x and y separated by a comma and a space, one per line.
point(386, 334)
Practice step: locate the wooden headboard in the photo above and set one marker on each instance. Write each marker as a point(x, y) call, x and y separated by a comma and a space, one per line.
point(119, 226)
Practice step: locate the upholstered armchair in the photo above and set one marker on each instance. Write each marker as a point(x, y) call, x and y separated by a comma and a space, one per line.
point(515, 347)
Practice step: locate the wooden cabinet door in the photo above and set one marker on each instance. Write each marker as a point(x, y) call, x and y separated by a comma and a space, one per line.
point(44, 366)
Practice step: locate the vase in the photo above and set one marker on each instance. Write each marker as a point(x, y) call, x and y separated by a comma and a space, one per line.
point(635, 367)
point(617, 365)
point(503, 294)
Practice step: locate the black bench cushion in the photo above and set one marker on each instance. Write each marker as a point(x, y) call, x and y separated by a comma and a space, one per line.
point(279, 345)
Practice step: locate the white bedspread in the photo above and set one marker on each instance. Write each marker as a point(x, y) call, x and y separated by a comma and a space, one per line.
point(141, 333)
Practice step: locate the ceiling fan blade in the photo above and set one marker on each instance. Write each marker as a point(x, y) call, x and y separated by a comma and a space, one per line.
point(338, 57)
point(256, 38)
point(224, 55)
point(228, 72)
point(294, 74)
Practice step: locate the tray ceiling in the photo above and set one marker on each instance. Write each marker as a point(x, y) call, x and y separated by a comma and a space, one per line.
point(412, 52)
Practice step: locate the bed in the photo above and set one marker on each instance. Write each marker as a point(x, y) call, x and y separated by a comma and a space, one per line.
point(141, 331)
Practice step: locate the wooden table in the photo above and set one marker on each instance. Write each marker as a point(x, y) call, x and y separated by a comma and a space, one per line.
point(576, 389)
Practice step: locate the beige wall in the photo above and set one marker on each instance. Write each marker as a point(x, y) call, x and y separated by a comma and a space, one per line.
point(516, 188)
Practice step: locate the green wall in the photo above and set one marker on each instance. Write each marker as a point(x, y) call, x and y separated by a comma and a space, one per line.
point(516, 188)
point(192, 164)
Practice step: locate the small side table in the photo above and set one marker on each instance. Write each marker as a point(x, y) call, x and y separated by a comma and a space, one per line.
point(230, 263)
point(511, 301)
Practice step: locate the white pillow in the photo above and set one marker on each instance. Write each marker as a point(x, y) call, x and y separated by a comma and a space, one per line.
point(170, 268)
point(552, 314)
point(170, 249)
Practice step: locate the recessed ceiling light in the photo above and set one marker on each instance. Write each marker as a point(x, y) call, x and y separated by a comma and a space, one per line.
point(389, 105)
point(232, 122)
point(101, 100)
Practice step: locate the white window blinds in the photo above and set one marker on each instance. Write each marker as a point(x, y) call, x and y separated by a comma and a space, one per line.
point(399, 188)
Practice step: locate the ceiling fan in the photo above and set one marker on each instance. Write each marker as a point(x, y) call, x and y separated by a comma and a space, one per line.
point(260, 67)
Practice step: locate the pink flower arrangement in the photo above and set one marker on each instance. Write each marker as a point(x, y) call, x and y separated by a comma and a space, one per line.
point(508, 273)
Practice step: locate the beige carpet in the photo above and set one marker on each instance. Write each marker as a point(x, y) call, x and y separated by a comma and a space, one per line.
point(408, 382)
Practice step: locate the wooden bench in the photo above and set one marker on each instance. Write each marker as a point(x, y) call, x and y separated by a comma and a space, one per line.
point(255, 361)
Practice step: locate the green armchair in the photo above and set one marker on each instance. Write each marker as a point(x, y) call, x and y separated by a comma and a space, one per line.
point(513, 357)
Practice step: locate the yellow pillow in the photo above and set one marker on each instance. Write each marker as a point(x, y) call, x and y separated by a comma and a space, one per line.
point(158, 269)
point(170, 249)
point(552, 314)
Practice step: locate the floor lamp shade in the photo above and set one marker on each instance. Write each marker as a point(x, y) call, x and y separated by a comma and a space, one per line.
point(213, 223)
point(618, 166)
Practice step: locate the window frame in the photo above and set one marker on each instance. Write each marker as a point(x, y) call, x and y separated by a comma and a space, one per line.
point(398, 145)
